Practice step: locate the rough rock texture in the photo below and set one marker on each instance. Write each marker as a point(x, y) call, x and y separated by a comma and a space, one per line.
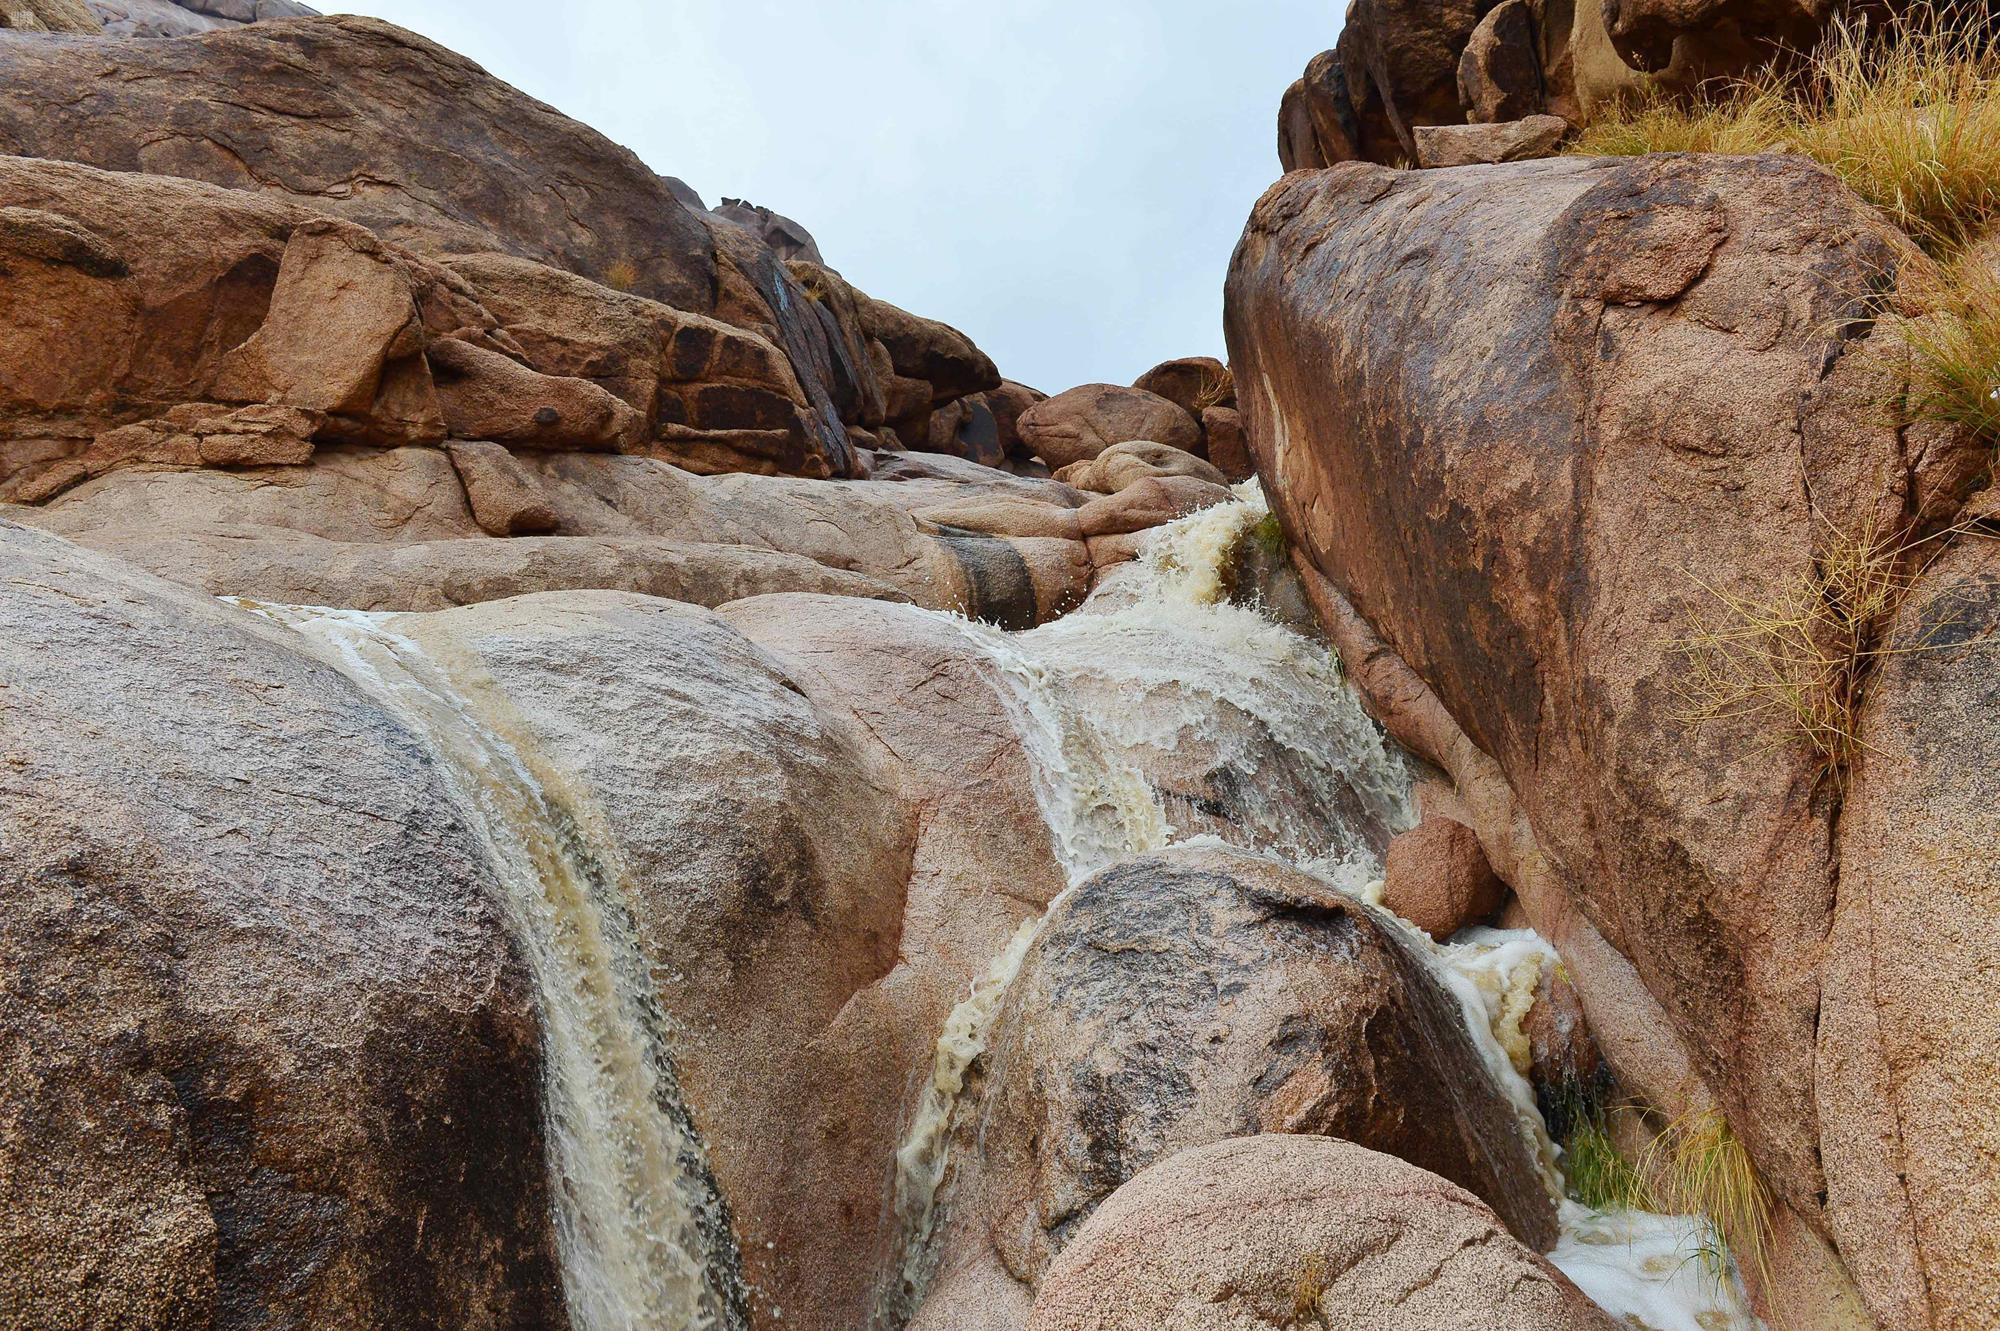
point(1271, 1230)
point(1401, 65)
point(71, 16)
point(1631, 382)
point(763, 835)
point(1474, 145)
point(1182, 998)
point(183, 18)
point(1438, 879)
point(267, 1057)
point(1500, 72)
point(1191, 383)
point(1133, 461)
point(1078, 425)
point(420, 146)
point(1907, 1073)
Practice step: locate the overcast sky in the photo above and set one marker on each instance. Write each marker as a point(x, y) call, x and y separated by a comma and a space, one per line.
point(1061, 179)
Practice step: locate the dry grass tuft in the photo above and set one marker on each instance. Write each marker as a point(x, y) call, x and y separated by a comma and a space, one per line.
point(1698, 1167)
point(621, 275)
point(1796, 660)
point(1213, 391)
point(1950, 320)
point(1907, 113)
point(1308, 1293)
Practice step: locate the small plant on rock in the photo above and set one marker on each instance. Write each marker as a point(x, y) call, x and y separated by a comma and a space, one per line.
point(1950, 320)
point(1795, 660)
point(1698, 1167)
point(1308, 1291)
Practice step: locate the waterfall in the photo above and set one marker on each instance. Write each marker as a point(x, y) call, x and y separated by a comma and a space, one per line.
point(642, 1234)
point(1158, 661)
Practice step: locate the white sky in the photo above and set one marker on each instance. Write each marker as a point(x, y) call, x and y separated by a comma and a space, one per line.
point(1064, 181)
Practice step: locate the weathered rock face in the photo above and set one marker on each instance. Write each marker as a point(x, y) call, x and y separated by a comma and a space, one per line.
point(269, 1058)
point(1610, 385)
point(184, 18)
point(1905, 1082)
point(1077, 425)
point(1192, 996)
point(47, 16)
point(316, 106)
point(1290, 1231)
point(1399, 66)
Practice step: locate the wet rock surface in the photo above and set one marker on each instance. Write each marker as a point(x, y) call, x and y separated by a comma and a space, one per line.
point(270, 1056)
point(1181, 999)
point(1289, 1230)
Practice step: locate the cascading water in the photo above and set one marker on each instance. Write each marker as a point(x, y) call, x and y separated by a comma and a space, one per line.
point(642, 1235)
point(1151, 666)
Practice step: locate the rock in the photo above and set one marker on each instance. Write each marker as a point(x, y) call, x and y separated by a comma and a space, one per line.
point(1500, 74)
point(183, 18)
point(1287, 1231)
point(268, 1043)
point(1645, 33)
point(1563, 1059)
point(1330, 105)
point(342, 336)
point(966, 429)
point(1472, 145)
point(1904, 1081)
point(1008, 403)
point(1192, 383)
point(485, 395)
point(1149, 501)
point(1228, 453)
point(49, 16)
point(1406, 53)
point(304, 533)
point(675, 368)
point(1298, 147)
point(1191, 996)
point(787, 239)
point(1618, 325)
point(1438, 879)
point(793, 901)
point(152, 18)
point(549, 189)
point(1126, 464)
point(506, 498)
point(1078, 425)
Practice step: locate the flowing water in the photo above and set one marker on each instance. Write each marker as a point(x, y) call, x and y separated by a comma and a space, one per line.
point(1159, 713)
point(642, 1235)
point(1161, 663)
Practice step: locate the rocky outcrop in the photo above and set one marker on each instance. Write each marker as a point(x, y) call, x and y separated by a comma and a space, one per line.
point(269, 1054)
point(1077, 425)
point(184, 18)
point(1633, 381)
point(1401, 67)
point(1180, 999)
point(1293, 1231)
point(316, 116)
point(71, 16)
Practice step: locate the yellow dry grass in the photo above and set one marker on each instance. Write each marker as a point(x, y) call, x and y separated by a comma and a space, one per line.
point(1907, 113)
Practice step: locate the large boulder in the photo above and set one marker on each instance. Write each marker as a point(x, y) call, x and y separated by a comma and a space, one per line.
point(269, 1054)
point(1078, 425)
point(1516, 466)
point(1908, 1085)
point(1266, 1231)
point(1187, 997)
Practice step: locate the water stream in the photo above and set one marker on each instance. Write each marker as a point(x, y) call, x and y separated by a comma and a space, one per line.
point(1162, 661)
point(1248, 733)
point(641, 1233)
